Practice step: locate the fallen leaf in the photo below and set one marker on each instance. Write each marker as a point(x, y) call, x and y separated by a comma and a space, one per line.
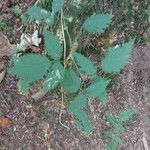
point(5, 46)
point(2, 75)
point(5, 122)
point(28, 40)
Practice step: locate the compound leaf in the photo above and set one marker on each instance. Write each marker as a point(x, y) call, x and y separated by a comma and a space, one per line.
point(54, 77)
point(82, 121)
point(113, 137)
point(71, 81)
point(113, 121)
point(117, 58)
point(86, 65)
point(97, 23)
point(98, 89)
point(112, 145)
point(125, 115)
point(30, 68)
point(57, 5)
point(52, 45)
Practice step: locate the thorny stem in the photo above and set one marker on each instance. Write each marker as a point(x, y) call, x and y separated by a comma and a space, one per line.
point(62, 92)
point(64, 40)
point(72, 47)
point(111, 75)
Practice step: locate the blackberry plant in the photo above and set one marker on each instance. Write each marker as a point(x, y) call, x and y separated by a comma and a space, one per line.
point(64, 67)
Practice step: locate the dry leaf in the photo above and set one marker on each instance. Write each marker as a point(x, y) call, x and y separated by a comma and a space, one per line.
point(28, 40)
point(2, 75)
point(35, 39)
point(5, 122)
point(5, 46)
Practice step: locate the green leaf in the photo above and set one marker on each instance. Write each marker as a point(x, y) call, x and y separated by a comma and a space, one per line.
point(78, 103)
point(113, 137)
point(97, 23)
point(71, 81)
point(54, 77)
point(112, 145)
point(53, 45)
point(113, 121)
point(117, 58)
point(86, 65)
point(57, 5)
point(18, 11)
point(98, 89)
point(30, 68)
point(125, 115)
point(82, 121)
point(38, 13)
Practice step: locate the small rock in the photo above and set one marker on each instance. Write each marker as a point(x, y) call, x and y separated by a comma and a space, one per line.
point(5, 122)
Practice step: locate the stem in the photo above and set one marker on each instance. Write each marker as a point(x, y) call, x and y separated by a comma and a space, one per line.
point(64, 40)
point(111, 75)
point(70, 41)
point(72, 48)
point(62, 92)
point(36, 3)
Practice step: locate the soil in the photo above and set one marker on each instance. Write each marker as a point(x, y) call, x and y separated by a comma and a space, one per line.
point(35, 124)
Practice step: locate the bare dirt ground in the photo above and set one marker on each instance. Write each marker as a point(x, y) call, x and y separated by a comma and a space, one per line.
point(35, 124)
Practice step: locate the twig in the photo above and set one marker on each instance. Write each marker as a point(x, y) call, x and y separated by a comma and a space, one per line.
point(145, 142)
